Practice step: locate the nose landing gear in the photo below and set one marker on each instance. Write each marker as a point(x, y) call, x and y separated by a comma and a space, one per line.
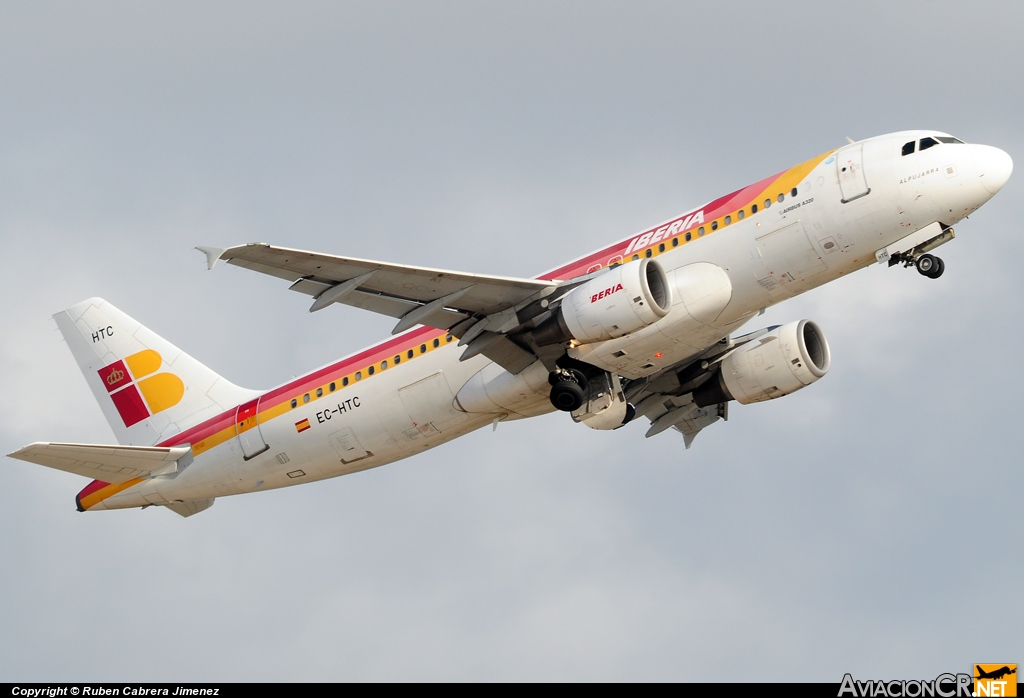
point(931, 266)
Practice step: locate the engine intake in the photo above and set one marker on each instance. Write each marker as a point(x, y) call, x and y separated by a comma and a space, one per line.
point(624, 299)
point(779, 363)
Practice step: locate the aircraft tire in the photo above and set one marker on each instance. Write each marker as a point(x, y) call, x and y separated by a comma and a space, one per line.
point(939, 268)
point(567, 396)
point(927, 264)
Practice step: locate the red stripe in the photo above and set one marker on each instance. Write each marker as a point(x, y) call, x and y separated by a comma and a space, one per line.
point(712, 209)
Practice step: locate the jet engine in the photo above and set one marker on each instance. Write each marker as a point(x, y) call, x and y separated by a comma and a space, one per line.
point(779, 363)
point(622, 300)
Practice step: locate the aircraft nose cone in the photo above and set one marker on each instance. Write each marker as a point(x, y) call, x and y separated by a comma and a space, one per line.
point(993, 166)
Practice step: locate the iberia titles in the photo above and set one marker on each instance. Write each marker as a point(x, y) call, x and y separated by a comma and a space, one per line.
point(607, 292)
point(666, 231)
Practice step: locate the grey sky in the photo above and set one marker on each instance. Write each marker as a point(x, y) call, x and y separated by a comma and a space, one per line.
point(865, 524)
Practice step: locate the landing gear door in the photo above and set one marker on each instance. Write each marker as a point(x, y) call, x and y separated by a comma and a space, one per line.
point(850, 172)
point(248, 430)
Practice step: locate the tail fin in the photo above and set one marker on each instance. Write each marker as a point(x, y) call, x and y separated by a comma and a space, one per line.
point(148, 389)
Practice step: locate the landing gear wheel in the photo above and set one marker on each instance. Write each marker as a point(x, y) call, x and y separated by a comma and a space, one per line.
point(568, 389)
point(938, 269)
point(927, 264)
point(567, 396)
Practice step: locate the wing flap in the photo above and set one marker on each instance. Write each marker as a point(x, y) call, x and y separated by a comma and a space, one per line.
point(378, 303)
point(315, 273)
point(110, 464)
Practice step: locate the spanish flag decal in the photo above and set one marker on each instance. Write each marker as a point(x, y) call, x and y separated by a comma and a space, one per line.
point(301, 426)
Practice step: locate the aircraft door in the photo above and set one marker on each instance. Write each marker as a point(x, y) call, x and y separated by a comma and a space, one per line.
point(850, 172)
point(248, 430)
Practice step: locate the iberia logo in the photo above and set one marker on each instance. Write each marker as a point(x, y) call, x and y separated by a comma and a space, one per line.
point(995, 679)
point(607, 292)
point(136, 396)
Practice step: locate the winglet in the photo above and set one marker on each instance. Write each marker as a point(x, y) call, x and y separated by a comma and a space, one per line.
point(212, 254)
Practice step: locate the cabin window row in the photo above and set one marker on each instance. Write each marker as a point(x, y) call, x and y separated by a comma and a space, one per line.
point(740, 215)
point(370, 370)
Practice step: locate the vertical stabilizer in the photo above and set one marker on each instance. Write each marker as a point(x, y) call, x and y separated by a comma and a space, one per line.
point(148, 389)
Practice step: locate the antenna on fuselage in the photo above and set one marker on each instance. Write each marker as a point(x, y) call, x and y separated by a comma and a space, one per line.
point(850, 140)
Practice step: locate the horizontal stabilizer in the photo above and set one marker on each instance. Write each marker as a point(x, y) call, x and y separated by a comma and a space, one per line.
point(111, 464)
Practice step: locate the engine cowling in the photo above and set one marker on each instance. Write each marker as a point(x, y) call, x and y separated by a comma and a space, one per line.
point(624, 299)
point(779, 363)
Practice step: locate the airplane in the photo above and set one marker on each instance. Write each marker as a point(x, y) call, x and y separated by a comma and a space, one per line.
point(642, 328)
point(995, 674)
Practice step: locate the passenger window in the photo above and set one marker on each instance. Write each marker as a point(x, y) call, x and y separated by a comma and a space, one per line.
point(305, 398)
point(700, 231)
point(675, 242)
point(370, 370)
point(714, 225)
point(344, 381)
point(689, 236)
point(383, 365)
point(359, 375)
point(437, 343)
point(398, 359)
point(739, 216)
point(781, 197)
point(410, 353)
point(908, 148)
point(319, 392)
point(648, 252)
point(927, 143)
point(767, 203)
point(753, 209)
point(636, 257)
point(423, 348)
point(728, 220)
point(448, 338)
point(332, 387)
point(295, 403)
point(793, 192)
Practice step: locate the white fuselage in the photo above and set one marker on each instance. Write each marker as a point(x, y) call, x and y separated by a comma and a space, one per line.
point(766, 257)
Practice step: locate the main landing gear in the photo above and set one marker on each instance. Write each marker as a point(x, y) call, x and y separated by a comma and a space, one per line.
point(931, 266)
point(568, 389)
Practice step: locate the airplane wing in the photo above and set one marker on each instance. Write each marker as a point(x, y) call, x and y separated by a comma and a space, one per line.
point(111, 464)
point(666, 398)
point(477, 308)
point(670, 412)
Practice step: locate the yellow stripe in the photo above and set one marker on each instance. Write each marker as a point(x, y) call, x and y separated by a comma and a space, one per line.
point(109, 491)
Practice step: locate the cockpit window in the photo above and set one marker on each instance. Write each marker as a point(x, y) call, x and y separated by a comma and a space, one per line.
point(927, 143)
point(949, 139)
point(908, 148)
